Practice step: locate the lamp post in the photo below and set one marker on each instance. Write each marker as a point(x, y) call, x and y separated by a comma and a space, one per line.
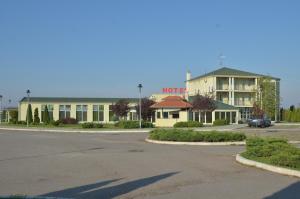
point(28, 101)
point(140, 86)
point(1, 109)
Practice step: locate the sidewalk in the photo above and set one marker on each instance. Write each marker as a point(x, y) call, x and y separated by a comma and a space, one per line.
point(76, 130)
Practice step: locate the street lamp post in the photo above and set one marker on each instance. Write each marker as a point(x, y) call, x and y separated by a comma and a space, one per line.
point(1, 109)
point(28, 101)
point(140, 86)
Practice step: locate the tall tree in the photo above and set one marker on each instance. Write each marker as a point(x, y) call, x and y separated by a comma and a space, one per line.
point(146, 108)
point(121, 108)
point(29, 114)
point(267, 98)
point(203, 103)
point(46, 117)
point(257, 111)
point(36, 118)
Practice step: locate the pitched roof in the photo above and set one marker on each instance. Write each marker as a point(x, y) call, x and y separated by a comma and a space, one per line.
point(76, 99)
point(172, 102)
point(231, 72)
point(219, 105)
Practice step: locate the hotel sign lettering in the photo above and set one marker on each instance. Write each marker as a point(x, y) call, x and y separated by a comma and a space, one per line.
point(174, 90)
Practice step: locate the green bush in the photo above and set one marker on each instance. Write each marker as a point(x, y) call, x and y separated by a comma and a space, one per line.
point(220, 122)
point(89, 125)
point(188, 124)
point(22, 122)
point(56, 123)
point(273, 151)
point(133, 124)
point(193, 136)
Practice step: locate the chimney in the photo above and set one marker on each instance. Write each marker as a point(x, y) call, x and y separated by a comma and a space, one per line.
point(188, 75)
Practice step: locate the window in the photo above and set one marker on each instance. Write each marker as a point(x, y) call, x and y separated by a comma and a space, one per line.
point(223, 116)
point(228, 116)
point(158, 115)
point(165, 115)
point(132, 116)
point(197, 116)
point(81, 113)
point(98, 113)
point(217, 115)
point(50, 111)
point(64, 111)
point(111, 113)
point(233, 115)
point(208, 117)
point(175, 115)
point(202, 117)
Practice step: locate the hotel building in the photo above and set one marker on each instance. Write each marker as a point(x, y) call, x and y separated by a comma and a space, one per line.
point(234, 92)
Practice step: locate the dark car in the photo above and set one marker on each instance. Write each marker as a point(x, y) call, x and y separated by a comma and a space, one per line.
point(259, 122)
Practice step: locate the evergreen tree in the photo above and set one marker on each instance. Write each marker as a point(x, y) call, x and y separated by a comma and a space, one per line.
point(29, 114)
point(46, 117)
point(36, 119)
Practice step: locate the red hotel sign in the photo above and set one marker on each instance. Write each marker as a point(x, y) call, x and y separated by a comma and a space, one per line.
point(174, 90)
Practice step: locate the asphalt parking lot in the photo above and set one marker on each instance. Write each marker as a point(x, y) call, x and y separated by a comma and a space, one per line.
point(74, 165)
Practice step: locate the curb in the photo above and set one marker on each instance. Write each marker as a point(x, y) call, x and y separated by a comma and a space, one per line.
point(196, 143)
point(275, 169)
point(75, 131)
point(29, 197)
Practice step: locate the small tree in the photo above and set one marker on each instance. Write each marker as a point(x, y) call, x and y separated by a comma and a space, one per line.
point(46, 117)
point(292, 107)
point(146, 108)
point(121, 108)
point(36, 118)
point(257, 111)
point(203, 103)
point(29, 114)
point(13, 116)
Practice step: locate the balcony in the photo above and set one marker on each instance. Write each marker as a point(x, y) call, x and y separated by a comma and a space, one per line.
point(222, 83)
point(244, 85)
point(243, 103)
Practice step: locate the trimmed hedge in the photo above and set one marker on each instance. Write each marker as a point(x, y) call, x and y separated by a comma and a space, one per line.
point(220, 122)
point(133, 124)
point(90, 125)
point(193, 136)
point(188, 124)
point(273, 151)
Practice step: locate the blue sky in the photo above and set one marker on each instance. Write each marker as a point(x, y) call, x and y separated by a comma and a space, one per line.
point(105, 48)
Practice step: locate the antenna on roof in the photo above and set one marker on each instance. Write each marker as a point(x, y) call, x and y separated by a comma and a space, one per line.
point(221, 59)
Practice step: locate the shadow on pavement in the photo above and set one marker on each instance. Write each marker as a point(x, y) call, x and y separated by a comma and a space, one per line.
point(290, 192)
point(95, 190)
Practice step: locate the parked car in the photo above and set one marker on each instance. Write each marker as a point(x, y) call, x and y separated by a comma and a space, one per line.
point(259, 122)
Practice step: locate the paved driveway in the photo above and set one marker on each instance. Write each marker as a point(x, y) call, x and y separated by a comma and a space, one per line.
point(124, 166)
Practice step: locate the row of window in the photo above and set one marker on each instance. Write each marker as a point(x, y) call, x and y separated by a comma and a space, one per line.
point(81, 112)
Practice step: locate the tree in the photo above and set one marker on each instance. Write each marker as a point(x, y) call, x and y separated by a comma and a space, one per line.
point(203, 103)
point(36, 119)
point(13, 116)
point(121, 108)
point(267, 98)
point(46, 117)
point(292, 107)
point(146, 108)
point(29, 114)
point(257, 112)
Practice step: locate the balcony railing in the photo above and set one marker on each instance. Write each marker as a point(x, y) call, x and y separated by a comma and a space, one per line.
point(243, 103)
point(222, 87)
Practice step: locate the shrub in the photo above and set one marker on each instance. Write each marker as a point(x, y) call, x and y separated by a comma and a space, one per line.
point(36, 119)
point(21, 122)
point(69, 120)
point(220, 122)
point(56, 123)
point(29, 114)
point(240, 122)
point(133, 124)
point(46, 117)
point(193, 136)
point(89, 125)
point(188, 124)
point(274, 151)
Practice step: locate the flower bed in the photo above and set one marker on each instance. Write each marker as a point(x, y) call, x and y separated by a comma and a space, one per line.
point(193, 136)
point(273, 151)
